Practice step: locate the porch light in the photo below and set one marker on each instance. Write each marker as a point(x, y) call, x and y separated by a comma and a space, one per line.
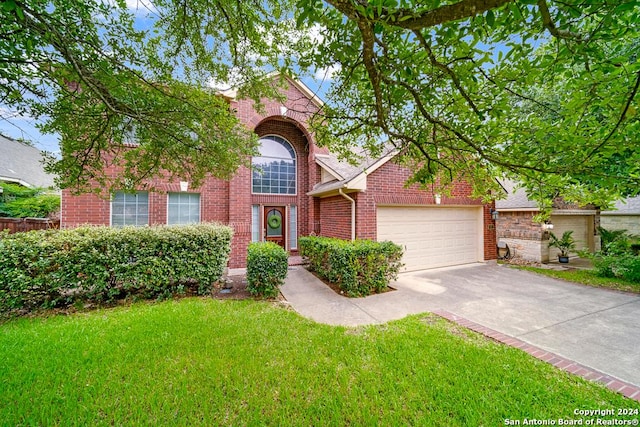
point(547, 225)
point(184, 186)
point(438, 199)
point(494, 214)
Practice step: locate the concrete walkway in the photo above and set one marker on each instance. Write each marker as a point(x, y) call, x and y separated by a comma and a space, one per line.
point(596, 328)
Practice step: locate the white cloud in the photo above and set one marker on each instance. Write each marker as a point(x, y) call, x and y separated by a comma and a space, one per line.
point(138, 7)
point(327, 73)
point(141, 5)
point(8, 114)
point(316, 33)
point(234, 79)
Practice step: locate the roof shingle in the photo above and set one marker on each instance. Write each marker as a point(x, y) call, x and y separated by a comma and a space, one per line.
point(23, 163)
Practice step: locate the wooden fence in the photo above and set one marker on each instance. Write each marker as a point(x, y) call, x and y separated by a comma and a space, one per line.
point(17, 225)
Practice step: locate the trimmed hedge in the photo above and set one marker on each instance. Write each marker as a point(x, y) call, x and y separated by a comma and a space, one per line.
point(267, 265)
point(359, 268)
point(56, 268)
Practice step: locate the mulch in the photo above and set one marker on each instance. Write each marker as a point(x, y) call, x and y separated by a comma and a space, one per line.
point(335, 288)
point(234, 288)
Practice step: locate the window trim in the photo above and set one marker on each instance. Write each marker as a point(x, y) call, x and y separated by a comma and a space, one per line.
point(290, 217)
point(295, 167)
point(258, 223)
point(169, 193)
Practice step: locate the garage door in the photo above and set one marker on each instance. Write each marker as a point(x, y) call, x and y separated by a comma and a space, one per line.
point(582, 231)
point(432, 237)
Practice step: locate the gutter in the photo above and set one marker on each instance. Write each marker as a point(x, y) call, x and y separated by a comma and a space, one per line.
point(353, 213)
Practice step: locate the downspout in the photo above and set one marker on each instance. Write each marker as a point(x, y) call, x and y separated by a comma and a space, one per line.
point(353, 213)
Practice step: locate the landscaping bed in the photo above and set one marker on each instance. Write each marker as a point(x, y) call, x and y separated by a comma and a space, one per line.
point(336, 288)
point(358, 268)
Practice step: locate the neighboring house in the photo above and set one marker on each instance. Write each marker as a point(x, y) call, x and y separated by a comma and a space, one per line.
point(529, 240)
point(299, 189)
point(22, 164)
point(625, 216)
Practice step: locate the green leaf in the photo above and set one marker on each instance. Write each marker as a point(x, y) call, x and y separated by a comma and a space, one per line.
point(628, 5)
point(9, 5)
point(490, 18)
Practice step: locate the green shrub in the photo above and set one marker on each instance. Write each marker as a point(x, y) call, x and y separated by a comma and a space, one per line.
point(619, 255)
point(625, 266)
point(359, 268)
point(267, 265)
point(55, 268)
point(618, 242)
point(17, 201)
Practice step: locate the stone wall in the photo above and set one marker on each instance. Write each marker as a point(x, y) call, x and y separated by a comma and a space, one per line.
point(631, 223)
point(531, 250)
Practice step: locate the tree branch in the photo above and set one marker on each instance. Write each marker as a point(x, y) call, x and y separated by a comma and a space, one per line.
point(632, 95)
point(447, 70)
point(368, 55)
point(412, 20)
point(551, 26)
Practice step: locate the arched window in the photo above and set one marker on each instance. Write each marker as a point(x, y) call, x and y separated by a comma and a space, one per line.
point(274, 170)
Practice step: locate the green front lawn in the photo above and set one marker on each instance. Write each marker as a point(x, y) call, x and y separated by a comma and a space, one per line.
point(587, 277)
point(209, 362)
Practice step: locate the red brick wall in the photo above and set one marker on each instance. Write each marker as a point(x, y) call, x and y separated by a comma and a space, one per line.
point(241, 198)
point(293, 127)
point(83, 209)
point(335, 220)
point(386, 186)
point(298, 139)
point(489, 227)
point(229, 201)
point(96, 209)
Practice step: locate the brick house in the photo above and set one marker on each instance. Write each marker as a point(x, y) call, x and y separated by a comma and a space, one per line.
point(298, 189)
point(529, 240)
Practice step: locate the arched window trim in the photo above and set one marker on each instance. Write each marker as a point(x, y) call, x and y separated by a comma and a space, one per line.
point(287, 145)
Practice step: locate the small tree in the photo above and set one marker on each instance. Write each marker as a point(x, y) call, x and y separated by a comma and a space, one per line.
point(565, 244)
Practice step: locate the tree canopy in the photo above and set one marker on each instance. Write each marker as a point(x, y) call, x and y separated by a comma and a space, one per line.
point(544, 92)
point(100, 80)
point(541, 91)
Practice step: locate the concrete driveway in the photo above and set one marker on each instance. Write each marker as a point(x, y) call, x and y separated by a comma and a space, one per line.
point(594, 327)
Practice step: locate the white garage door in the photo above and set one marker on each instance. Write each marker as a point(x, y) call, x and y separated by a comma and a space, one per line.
point(433, 236)
point(581, 226)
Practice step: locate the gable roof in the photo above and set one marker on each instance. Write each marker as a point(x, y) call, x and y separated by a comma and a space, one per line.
point(22, 164)
point(516, 197)
point(630, 206)
point(348, 176)
point(232, 93)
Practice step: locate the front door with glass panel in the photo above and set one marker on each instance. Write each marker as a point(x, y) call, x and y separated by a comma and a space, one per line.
point(274, 224)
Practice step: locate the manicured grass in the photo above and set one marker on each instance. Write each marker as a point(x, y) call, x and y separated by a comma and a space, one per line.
point(208, 362)
point(586, 277)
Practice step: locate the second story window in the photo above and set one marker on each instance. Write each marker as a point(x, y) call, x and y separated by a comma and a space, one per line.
point(274, 170)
